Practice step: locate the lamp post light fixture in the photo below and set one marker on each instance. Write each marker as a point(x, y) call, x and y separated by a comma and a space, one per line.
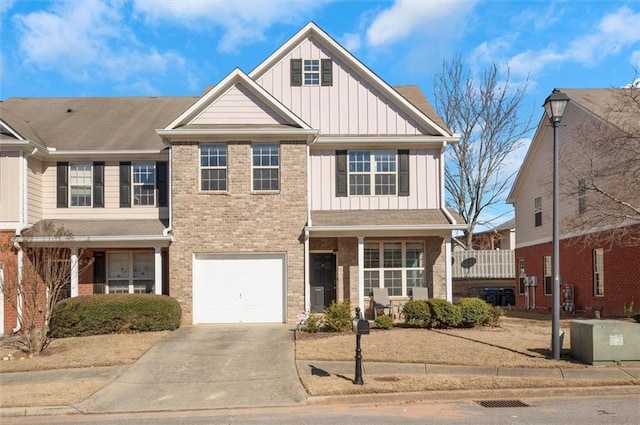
point(554, 106)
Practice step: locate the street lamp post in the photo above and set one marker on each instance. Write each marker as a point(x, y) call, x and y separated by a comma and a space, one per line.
point(554, 106)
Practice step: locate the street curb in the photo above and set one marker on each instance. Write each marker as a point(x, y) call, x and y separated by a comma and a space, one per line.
point(456, 395)
point(6, 412)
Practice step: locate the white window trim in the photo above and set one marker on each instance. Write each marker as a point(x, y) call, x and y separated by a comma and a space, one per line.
point(215, 167)
point(372, 173)
point(266, 167)
point(598, 271)
point(71, 185)
point(381, 269)
point(134, 184)
point(130, 278)
point(314, 71)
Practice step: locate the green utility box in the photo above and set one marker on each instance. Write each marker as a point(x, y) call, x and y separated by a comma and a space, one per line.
point(599, 341)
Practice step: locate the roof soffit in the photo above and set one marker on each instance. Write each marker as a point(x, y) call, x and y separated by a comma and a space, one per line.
point(237, 78)
point(311, 30)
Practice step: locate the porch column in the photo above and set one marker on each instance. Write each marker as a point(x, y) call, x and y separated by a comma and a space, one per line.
point(361, 273)
point(307, 281)
point(74, 273)
point(158, 271)
point(447, 268)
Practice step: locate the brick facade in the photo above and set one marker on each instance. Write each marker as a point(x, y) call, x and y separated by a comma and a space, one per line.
point(8, 258)
point(238, 220)
point(621, 275)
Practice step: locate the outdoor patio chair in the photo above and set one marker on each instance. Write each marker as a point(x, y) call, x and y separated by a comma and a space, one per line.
point(381, 301)
point(420, 293)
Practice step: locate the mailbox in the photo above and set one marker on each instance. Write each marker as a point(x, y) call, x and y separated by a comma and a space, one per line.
point(361, 327)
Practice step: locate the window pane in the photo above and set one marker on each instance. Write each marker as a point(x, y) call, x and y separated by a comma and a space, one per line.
point(415, 278)
point(213, 156)
point(143, 265)
point(265, 179)
point(81, 196)
point(143, 195)
point(118, 286)
point(144, 173)
point(80, 181)
point(385, 184)
point(360, 184)
point(393, 281)
point(118, 265)
point(360, 161)
point(214, 179)
point(385, 161)
point(415, 255)
point(393, 255)
point(371, 255)
point(371, 280)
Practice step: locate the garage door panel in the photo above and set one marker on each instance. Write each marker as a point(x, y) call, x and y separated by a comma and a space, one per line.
point(238, 288)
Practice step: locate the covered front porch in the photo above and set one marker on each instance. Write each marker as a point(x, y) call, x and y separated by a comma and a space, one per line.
point(349, 253)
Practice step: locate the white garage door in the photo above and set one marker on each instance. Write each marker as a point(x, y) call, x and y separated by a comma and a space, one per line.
point(238, 288)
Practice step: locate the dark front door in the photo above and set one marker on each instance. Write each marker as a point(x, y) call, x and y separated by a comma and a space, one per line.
point(323, 281)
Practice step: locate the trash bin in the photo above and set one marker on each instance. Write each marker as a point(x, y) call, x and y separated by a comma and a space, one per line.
point(507, 297)
point(492, 296)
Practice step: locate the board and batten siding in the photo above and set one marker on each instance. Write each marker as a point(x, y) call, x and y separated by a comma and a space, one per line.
point(238, 106)
point(111, 210)
point(9, 193)
point(352, 106)
point(424, 184)
point(34, 189)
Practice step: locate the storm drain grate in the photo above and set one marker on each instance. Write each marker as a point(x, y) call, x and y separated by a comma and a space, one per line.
point(502, 403)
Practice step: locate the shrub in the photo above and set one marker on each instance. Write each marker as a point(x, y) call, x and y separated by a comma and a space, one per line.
point(313, 323)
point(384, 322)
point(416, 313)
point(114, 313)
point(337, 317)
point(474, 312)
point(443, 314)
point(638, 317)
point(494, 317)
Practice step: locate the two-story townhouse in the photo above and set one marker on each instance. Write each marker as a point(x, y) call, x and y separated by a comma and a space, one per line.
point(596, 271)
point(308, 180)
point(95, 167)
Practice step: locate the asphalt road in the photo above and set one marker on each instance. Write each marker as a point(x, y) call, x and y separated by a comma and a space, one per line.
point(623, 410)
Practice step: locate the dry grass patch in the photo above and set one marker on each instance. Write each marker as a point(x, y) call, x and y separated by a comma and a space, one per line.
point(338, 385)
point(498, 347)
point(87, 351)
point(48, 394)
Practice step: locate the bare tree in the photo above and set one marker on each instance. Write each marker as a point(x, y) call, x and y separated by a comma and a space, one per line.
point(604, 172)
point(487, 114)
point(33, 289)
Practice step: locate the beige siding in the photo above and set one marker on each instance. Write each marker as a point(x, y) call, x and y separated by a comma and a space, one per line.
point(34, 189)
point(352, 106)
point(111, 208)
point(9, 194)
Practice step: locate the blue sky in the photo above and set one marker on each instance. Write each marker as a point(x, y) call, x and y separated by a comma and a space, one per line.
point(178, 47)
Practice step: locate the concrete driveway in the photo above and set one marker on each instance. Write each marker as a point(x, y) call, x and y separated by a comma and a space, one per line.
point(207, 367)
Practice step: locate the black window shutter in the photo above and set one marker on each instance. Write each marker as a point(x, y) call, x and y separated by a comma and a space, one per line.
point(327, 72)
point(62, 185)
point(162, 183)
point(341, 173)
point(98, 184)
point(99, 272)
point(403, 173)
point(296, 72)
point(125, 184)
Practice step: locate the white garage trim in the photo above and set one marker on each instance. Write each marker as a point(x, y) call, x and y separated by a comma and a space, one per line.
point(239, 288)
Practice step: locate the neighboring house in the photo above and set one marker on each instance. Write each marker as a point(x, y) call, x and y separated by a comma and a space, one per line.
point(491, 265)
point(594, 275)
point(307, 181)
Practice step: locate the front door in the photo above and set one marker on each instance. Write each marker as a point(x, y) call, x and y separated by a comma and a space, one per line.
point(323, 281)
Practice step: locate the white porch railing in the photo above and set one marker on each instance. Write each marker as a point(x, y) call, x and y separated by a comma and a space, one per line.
point(484, 264)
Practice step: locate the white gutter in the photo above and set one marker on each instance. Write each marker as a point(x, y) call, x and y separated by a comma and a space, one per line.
point(398, 227)
point(324, 140)
point(133, 238)
point(236, 131)
point(55, 152)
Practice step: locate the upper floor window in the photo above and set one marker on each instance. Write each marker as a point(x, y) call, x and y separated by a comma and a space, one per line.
point(582, 196)
point(266, 167)
point(537, 211)
point(80, 184)
point(213, 167)
point(311, 72)
point(372, 168)
point(598, 272)
point(144, 183)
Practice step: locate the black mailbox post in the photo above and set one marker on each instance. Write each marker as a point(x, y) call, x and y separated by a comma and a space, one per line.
point(360, 327)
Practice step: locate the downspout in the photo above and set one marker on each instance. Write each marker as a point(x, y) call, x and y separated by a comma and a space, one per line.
point(169, 229)
point(19, 296)
point(307, 281)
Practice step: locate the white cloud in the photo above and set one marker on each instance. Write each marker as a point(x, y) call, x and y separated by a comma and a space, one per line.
point(88, 40)
point(351, 42)
point(6, 5)
point(243, 22)
point(406, 17)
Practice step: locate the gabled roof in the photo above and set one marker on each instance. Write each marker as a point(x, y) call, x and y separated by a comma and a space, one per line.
point(288, 120)
point(93, 123)
point(598, 102)
point(425, 115)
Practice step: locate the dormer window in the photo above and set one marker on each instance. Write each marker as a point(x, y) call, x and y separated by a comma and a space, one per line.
point(311, 72)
